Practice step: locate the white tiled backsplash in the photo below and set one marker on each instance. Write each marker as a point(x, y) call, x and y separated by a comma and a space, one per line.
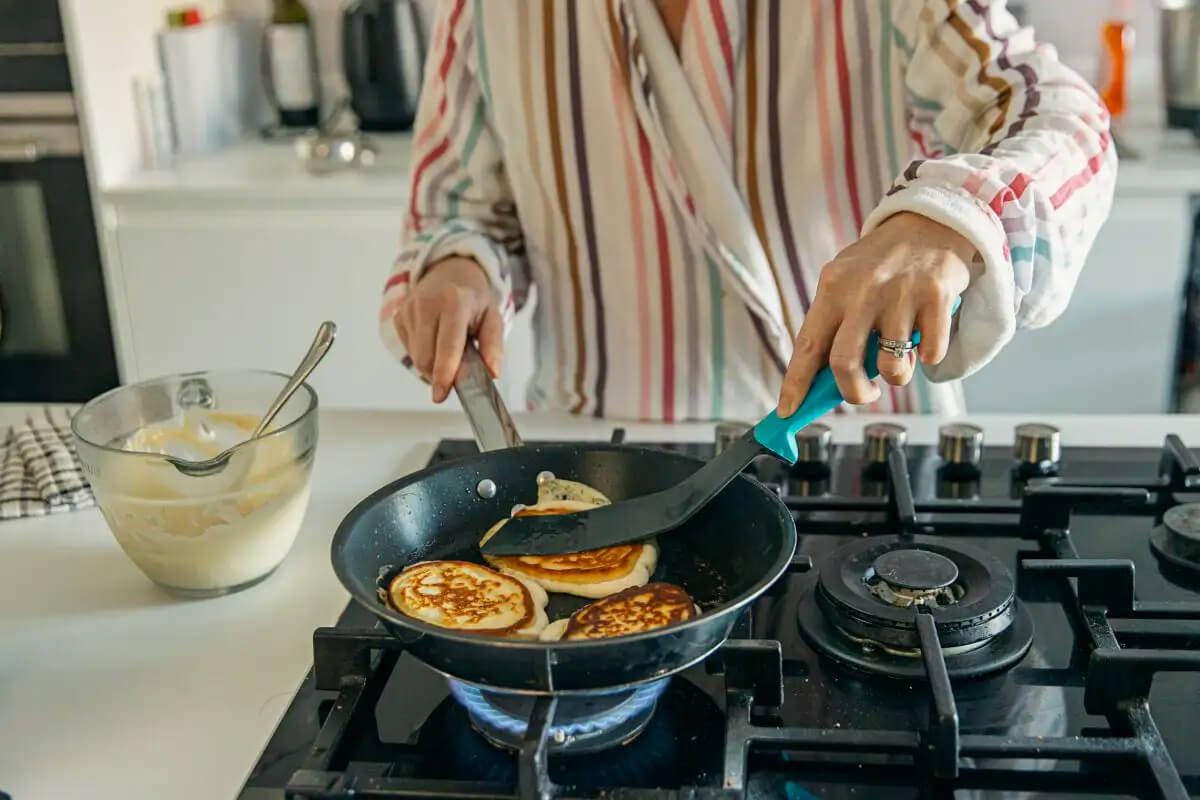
point(327, 22)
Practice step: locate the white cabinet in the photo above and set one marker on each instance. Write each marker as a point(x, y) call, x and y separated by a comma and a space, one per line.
point(1113, 349)
point(207, 287)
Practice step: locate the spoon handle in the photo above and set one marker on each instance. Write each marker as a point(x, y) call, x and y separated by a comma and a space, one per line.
point(316, 352)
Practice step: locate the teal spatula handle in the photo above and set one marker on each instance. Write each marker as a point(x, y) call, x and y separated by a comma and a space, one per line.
point(778, 434)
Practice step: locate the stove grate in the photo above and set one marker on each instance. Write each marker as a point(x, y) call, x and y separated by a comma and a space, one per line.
point(1128, 756)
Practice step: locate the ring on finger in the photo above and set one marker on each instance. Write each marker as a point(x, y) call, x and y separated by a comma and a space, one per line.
point(897, 347)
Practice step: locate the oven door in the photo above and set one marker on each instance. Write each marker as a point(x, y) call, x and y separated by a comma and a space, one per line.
point(55, 337)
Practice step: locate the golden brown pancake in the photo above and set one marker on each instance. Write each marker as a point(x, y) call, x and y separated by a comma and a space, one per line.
point(592, 573)
point(469, 597)
point(642, 608)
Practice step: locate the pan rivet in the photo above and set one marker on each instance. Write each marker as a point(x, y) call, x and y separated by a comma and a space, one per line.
point(486, 488)
point(544, 475)
point(560, 736)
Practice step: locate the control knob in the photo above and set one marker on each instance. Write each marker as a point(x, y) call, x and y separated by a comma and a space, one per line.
point(1037, 447)
point(878, 437)
point(960, 443)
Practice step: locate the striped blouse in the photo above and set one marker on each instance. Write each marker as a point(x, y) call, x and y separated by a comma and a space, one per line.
point(671, 211)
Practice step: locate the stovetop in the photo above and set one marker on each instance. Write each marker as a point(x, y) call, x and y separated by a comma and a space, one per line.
point(1105, 701)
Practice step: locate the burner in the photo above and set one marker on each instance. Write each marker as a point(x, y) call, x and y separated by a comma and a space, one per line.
point(911, 577)
point(1177, 540)
point(682, 743)
point(862, 610)
point(583, 723)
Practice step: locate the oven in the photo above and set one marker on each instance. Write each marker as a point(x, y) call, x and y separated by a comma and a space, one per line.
point(56, 340)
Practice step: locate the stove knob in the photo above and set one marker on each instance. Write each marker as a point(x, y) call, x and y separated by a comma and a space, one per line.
point(960, 443)
point(1036, 444)
point(727, 433)
point(877, 437)
point(813, 443)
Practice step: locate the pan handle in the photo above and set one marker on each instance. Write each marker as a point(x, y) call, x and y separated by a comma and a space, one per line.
point(490, 421)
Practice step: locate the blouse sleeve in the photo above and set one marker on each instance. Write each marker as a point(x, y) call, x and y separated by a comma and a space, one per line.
point(460, 202)
point(1015, 155)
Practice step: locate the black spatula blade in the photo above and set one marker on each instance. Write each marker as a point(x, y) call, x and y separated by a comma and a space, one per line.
point(627, 520)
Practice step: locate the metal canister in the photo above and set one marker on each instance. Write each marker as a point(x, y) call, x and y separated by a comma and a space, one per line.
point(1179, 50)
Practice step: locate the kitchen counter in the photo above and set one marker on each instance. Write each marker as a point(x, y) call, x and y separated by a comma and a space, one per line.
point(1158, 162)
point(258, 171)
point(111, 688)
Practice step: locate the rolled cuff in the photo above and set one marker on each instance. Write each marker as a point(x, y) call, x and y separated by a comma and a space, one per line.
point(987, 318)
point(457, 241)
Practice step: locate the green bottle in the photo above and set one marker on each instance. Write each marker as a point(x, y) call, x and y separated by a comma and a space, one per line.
point(292, 63)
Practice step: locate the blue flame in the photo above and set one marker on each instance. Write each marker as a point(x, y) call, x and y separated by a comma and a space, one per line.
point(475, 701)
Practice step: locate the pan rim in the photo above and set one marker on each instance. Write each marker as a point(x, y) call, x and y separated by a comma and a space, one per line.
point(383, 611)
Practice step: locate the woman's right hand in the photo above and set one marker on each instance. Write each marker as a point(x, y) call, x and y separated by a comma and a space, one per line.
point(452, 299)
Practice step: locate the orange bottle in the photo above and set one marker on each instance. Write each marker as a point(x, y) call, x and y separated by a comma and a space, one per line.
point(1116, 51)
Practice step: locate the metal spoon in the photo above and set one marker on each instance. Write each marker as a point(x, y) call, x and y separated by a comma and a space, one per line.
point(320, 346)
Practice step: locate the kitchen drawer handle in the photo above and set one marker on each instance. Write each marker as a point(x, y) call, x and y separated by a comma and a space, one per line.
point(19, 152)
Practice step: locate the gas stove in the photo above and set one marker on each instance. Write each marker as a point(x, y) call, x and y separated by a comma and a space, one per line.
point(960, 620)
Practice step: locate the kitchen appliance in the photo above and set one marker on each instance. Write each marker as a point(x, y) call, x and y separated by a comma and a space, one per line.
point(383, 53)
point(1088, 551)
point(1179, 49)
point(441, 512)
point(55, 338)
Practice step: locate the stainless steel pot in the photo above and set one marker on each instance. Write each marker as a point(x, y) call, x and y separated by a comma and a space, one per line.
point(1179, 49)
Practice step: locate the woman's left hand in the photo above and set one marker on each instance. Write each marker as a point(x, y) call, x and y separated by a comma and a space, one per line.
point(901, 277)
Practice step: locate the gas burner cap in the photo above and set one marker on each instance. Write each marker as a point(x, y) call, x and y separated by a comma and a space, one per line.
point(1184, 521)
point(918, 570)
point(910, 577)
point(862, 610)
point(1177, 541)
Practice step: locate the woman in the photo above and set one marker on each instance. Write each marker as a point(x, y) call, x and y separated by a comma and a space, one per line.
point(701, 189)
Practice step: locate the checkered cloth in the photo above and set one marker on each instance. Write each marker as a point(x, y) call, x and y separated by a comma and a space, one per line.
point(39, 468)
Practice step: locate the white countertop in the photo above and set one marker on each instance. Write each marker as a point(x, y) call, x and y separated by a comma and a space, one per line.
point(1158, 162)
point(110, 688)
point(259, 170)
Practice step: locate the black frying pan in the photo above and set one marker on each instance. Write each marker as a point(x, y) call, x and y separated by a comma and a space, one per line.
point(725, 556)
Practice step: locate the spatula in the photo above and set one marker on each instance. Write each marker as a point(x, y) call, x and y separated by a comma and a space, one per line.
point(652, 514)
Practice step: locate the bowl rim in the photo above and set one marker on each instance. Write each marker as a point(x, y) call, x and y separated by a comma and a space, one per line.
point(309, 411)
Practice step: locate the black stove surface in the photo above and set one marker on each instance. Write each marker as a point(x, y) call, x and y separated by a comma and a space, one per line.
point(1077, 716)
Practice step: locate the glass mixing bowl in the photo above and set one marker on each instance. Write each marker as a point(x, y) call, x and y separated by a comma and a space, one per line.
point(200, 535)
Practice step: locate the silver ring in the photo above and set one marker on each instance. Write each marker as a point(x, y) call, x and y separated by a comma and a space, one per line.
point(897, 347)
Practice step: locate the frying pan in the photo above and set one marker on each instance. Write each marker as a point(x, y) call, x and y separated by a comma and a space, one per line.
point(725, 556)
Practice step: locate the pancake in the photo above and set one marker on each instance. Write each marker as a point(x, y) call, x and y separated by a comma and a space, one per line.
point(469, 597)
point(562, 489)
point(642, 608)
point(592, 573)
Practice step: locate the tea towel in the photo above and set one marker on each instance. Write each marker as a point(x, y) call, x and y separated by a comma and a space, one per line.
point(40, 471)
